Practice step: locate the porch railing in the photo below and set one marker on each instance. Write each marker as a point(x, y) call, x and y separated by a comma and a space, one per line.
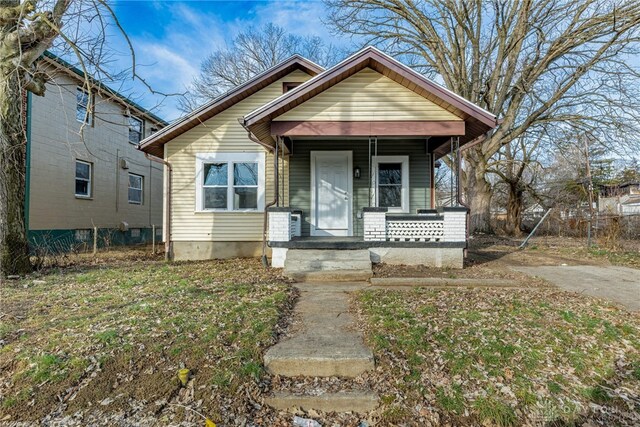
point(448, 225)
point(427, 225)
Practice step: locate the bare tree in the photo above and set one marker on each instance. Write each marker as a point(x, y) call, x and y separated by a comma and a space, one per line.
point(531, 62)
point(77, 29)
point(250, 53)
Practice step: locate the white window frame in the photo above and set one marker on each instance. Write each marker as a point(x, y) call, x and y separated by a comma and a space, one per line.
point(404, 161)
point(89, 181)
point(129, 118)
point(129, 187)
point(88, 108)
point(230, 159)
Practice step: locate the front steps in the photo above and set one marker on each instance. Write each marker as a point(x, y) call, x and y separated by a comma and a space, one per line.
point(326, 346)
point(326, 265)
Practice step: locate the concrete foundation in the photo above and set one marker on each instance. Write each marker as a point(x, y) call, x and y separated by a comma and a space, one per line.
point(183, 251)
point(432, 257)
point(278, 256)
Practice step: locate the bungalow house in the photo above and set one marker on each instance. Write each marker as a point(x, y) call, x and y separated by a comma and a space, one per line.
point(302, 159)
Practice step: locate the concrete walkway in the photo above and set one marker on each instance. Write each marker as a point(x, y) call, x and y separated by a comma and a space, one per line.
point(327, 345)
point(617, 284)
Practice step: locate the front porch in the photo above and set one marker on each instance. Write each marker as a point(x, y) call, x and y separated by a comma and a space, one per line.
point(431, 237)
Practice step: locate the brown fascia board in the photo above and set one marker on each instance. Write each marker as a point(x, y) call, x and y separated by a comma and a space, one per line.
point(153, 144)
point(375, 59)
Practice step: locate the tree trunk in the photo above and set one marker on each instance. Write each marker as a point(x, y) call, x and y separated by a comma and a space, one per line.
point(14, 249)
point(478, 191)
point(514, 210)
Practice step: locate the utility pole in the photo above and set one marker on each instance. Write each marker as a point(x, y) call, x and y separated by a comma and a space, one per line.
point(589, 189)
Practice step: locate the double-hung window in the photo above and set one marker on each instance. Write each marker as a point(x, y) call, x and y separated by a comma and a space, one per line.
point(135, 189)
point(84, 113)
point(391, 178)
point(135, 130)
point(230, 182)
point(83, 179)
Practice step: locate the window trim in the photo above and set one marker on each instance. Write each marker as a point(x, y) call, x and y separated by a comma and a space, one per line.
point(139, 120)
point(141, 202)
point(88, 117)
point(89, 181)
point(230, 159)
point(404, 161)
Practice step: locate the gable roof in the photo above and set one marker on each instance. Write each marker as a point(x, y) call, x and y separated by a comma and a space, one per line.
point(58, 62)
point(479, 120)
point(154, 143)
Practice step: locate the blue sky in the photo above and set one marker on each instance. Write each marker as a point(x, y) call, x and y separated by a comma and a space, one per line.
point(171, 38)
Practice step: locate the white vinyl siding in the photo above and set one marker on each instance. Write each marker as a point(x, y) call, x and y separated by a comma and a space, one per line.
point(221, 134)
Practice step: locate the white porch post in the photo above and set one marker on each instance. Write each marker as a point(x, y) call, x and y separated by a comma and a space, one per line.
point(279, 224)
point(455, 224)
point(375, 224)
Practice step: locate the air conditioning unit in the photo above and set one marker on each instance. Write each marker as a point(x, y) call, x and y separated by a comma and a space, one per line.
point(124, 164)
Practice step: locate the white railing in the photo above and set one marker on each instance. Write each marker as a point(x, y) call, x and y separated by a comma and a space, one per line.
point(449, 225)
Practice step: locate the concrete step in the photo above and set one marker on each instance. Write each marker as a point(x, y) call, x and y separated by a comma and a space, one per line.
point(319, 265)
point(320, 354)
point(330, 276)
point(325, 265)
point(328, 254)
point(359, 402)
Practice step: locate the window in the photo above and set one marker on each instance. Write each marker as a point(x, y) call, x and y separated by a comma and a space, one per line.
point(391, 178)
point(230, 182)
point(83, 235)
point(135, 130)
point(83, 106)
point(287, 86)
point(135, 189)
point(83, 179)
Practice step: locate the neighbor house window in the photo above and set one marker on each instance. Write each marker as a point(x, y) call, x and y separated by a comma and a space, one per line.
point(391, 178)
point(230, 182)
point(135, 130)
point(83, 235)
point(135, 189)
point(83, 106)
point(83, 179)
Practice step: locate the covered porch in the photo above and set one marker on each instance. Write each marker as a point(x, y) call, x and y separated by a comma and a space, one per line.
point(354, 163)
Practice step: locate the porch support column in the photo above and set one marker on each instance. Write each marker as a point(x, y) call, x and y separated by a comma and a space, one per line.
point(375, 224)
point(280, 227)
point(455, 224)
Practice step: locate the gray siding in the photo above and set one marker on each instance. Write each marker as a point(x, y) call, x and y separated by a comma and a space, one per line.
point(300, 174)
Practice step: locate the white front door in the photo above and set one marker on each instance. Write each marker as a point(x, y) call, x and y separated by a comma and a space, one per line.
point(331, 193)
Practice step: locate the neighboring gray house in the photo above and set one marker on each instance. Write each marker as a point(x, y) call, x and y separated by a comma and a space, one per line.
point(83, 166)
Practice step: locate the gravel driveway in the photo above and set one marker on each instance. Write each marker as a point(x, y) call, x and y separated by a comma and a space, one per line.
point(617, 284)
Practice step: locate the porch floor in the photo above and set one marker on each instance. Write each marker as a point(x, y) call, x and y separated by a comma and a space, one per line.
point(357, 242)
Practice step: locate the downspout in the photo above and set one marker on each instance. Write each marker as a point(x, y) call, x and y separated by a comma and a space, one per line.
point(265, 222)
point(168, 244)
